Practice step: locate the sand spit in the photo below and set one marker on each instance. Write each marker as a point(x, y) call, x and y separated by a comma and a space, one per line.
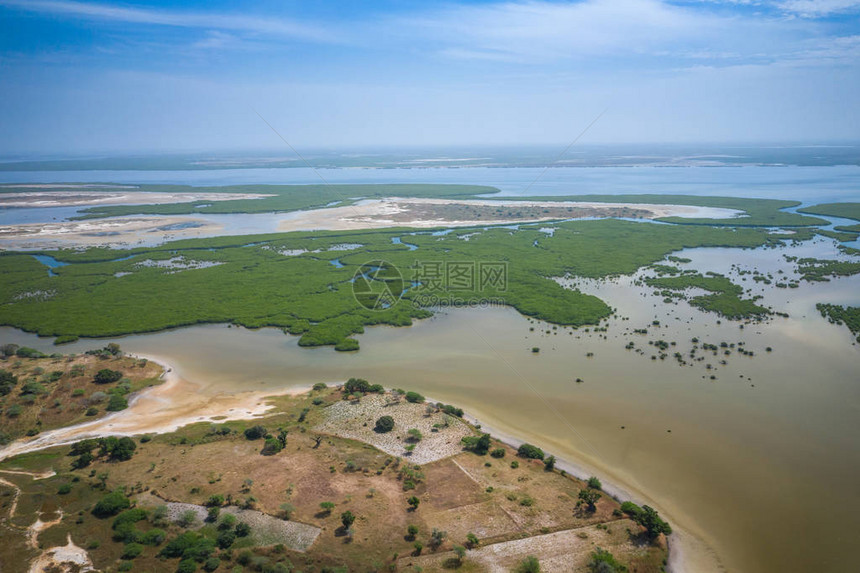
point(429, 213)
point(110, 232)
point(93, 195)
point(159, 409)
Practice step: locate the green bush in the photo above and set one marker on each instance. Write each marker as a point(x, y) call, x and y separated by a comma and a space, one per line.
point(107, 376)
point(64, 489)
point(529, 565)
point(153, 537)
point(384, 424)
point(498, 453)
point(255, 432)
point(116, 403)
point(111, 504)
point(603, 561)
point(414, 397)
point(132, 550)
point(355, 385)
point(477, 444)
point(271, 447)
point(594, 483)
point(530, 451)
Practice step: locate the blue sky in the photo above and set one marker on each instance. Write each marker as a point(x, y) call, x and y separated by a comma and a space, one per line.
point(107, 77)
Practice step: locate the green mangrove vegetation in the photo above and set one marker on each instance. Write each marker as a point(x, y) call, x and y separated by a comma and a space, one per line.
point(847, 315)
point(291, 280)
point(844, 210)
point(725, 298)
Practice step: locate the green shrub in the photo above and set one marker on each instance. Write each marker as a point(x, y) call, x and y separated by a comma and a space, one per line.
point(384, 424)
point(498, 453)
point(356, 385)
point(255, 432)
point(186, 566)
point(477, 444)
point(594, 483)
point(603, 561)
point(153, 537)
point(132, 550)
point(107, 376)
point(530, 451)
point(64, 489)
point(271, 447)
point(414, 397)
point(116, 403)
point(529, 565)
point(111, 504)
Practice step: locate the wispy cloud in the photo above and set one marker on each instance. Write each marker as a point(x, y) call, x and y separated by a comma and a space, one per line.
point(817, 8)
point(273, 26)
point(547, 31)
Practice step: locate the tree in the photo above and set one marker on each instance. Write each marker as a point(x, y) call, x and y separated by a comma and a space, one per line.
point(498, 453)
point(529, 565)
point(7, 382)
point(116, 403)
point(347, 519)
point(106, 376)
point(603, 561)
point(212, 514)
point(356, 385)
point(594, 483)
point(414, 435)
point(111, 504)
point(460, 552)
point(384, 424)
point(215, 500)
point(255, 432)
point(287, 510)
point(651, 521)
point(549, 463)
point(437, 537)
point(477, 444)
point(530, 451)
point(243, 529)
point(271, 447)
point(414, 397)
point(226, 539)
point(117, 449)
point(327, 506)
point(411, 531)
point(9, 349)
point(413, 502)
point(589, 497)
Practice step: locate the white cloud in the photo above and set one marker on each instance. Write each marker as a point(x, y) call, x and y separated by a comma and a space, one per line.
point(206, 20)
point(535, 30)
point(816, 8)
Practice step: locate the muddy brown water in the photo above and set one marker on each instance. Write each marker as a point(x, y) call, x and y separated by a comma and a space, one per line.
point(756, 468)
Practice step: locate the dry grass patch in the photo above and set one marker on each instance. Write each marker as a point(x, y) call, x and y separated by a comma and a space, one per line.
point(356, 420)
